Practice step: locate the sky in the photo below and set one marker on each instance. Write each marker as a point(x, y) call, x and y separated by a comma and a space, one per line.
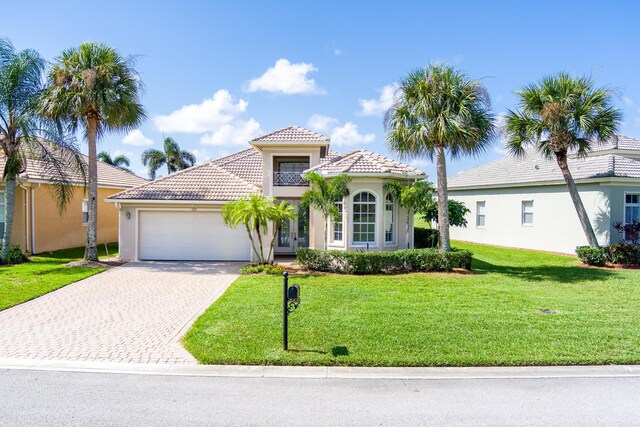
point(217, 74)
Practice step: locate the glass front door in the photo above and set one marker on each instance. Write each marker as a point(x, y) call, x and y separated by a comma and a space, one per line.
point(293, 234)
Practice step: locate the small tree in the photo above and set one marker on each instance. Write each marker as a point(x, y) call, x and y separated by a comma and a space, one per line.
point(255, 213)
point(324, 195)
point(413, 198)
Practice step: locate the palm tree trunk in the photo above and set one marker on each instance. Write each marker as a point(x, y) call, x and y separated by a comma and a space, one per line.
point(577, 201)
point(326, 227)
point(9, 204)
point(91, 251)
point(443, 200)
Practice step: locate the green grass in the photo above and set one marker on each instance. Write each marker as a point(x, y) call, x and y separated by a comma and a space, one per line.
point(491, 317)
point(45, 273)
point(418, 222)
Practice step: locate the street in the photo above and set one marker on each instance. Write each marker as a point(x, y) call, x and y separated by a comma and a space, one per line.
point(32, 397)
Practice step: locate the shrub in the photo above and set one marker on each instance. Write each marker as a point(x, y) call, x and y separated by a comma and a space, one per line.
point(592, 256)
point(425, 238)
point(624, 253)
point(401, 261)
point(15, 255)
point(274, 269)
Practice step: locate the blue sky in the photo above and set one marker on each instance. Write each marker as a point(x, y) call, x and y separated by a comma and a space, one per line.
point(218, 73)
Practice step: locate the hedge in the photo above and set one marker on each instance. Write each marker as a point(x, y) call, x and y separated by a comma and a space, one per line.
point(401, 261)
point(619, 253)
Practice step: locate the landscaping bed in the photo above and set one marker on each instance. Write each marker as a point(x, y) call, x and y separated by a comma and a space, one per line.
point(518, 308)
point(45, 272)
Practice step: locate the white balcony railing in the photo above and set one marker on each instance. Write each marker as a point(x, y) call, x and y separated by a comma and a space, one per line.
point(288, 179)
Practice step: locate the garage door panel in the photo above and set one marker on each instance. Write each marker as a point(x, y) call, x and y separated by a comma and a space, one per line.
point(189, 236)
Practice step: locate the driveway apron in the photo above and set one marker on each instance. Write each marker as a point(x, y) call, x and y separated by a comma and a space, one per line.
point(134, 313)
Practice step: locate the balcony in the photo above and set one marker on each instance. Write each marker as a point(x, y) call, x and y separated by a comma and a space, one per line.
point(288, 179)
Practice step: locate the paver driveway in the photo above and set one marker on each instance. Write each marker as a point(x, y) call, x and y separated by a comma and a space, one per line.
point(134, 313)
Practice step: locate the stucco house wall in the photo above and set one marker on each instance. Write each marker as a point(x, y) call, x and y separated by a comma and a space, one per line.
point(555, 224)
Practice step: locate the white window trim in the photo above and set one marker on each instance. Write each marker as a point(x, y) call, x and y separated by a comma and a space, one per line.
point(332, 241)
point(82, 219)
point(484, 215)
point(624, 208)
point(377, 222)
point(394, 224)
point(522, 212)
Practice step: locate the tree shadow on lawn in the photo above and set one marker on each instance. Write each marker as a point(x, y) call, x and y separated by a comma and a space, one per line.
point(556, 273)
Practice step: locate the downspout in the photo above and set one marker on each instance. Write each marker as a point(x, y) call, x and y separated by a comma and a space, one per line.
point(33, 221)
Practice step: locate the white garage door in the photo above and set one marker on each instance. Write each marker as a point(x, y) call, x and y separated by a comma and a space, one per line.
point(189, 236)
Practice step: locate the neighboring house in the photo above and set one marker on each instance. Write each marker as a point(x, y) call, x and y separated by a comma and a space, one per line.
point(177, 217)
point(525, 203)
point(38, 224)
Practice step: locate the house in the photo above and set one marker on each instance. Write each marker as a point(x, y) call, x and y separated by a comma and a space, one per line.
point(524, 202)
point(39, 226)
point(178, 217)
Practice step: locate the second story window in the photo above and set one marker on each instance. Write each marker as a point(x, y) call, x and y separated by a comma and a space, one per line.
point(288, 171)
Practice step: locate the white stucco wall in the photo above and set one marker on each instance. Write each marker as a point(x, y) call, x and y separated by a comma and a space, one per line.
point(555, 223)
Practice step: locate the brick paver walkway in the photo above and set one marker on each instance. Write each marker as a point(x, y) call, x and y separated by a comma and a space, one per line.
point(134, 313)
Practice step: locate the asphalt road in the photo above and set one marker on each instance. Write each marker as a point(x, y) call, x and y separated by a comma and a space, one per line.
point(76, 398)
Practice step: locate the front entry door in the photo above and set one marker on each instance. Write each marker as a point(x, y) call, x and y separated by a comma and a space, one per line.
point(293, 234)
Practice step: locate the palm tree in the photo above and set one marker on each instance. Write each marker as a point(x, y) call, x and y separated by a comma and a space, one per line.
point(563, 113)
point(175, 158)
point(22, 132)
point(255, 213)
point(120, 162)
point(440, 111)
point(93, 87)
point(323, 196)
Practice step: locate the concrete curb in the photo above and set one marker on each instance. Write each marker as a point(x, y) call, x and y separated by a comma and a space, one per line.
point(325, 372)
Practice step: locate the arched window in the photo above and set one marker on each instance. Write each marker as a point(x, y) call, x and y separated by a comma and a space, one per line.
point(389, 220)
point(364, 218)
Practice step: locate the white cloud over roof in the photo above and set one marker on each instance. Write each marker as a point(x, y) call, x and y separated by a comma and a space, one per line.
point(286, 78)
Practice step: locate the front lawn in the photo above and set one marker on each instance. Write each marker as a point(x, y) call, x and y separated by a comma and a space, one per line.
point(496, 316)
point(45, 273)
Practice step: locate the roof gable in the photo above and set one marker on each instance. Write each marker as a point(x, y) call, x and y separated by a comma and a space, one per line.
point(291, 134)
point(364, 162)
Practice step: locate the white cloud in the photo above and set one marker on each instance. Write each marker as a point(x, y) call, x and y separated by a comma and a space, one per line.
point(208, 116)
point(137, 138)
point(348, 134)
point(377, 107)
point(237, 133)
point(320, 123)
point(128, 154)
point(341, 136)
point(287, 78)
point(337, 52)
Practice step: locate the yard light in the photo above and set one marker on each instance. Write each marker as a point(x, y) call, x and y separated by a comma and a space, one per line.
point(290, 302)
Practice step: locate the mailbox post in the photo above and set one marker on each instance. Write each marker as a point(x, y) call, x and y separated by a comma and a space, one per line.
point(290, 301)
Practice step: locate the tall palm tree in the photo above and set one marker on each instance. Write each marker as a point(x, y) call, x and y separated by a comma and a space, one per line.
point(94, 88)
point(23, 132)
point(120, 162)
point(172, 156)
point(438, 111)
point(559, 114)
point(323, 196)
point(255, 213)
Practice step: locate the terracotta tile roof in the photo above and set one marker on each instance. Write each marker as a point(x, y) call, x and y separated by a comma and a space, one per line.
point(206, 182)
point(292, 134)
point(108, 176)
point(247, 164)
point(512, 171)
point(364, 162)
